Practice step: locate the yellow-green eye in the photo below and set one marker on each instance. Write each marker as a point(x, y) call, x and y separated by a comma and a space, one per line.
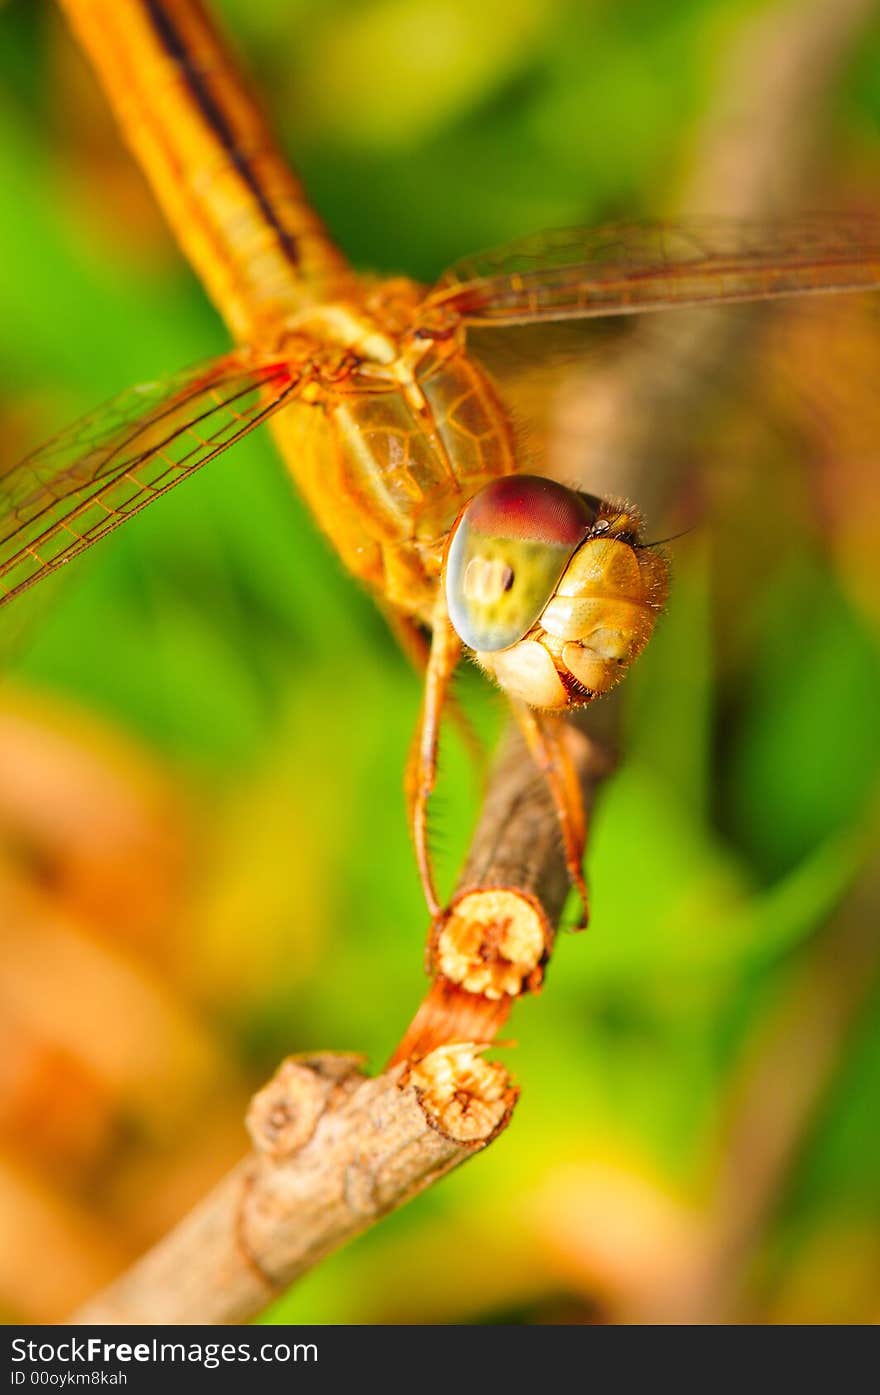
point(509, 547)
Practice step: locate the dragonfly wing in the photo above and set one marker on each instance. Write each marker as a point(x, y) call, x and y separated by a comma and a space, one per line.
point(92, 477)
point(627, 268)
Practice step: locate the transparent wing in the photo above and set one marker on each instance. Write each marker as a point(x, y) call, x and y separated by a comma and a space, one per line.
point(626, 268)
point(92, 477)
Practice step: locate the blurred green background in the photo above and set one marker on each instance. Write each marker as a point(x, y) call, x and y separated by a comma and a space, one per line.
point(218, 640)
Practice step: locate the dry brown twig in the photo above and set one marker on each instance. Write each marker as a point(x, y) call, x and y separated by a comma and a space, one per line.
point(334, 1150)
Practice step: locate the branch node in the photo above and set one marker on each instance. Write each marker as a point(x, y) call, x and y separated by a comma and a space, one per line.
point(283, 1115)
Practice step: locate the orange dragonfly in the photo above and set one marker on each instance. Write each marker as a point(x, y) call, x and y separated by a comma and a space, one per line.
point(394, 431)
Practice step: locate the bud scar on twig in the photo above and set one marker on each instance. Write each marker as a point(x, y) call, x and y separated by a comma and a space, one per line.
point(283, 1115)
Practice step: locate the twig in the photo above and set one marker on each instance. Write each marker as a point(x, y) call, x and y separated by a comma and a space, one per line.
point(493, 942)
point(335, 1150)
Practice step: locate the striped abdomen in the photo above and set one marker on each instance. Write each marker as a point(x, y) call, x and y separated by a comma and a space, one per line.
point(234, 204)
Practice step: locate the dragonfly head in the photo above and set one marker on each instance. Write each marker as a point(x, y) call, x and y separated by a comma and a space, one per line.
point(551, 589)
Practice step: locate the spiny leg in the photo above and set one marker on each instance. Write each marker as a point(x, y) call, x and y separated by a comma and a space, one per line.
point(416, 646)
point(545, 735)
point(421, 772)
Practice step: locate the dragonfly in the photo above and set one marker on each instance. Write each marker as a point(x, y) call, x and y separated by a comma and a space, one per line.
point(393, 427)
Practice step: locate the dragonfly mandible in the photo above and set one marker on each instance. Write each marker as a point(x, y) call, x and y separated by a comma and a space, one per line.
point(394, 430)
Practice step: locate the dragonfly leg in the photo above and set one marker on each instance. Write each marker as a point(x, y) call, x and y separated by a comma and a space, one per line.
point(421, 771)
point(416, 646)
point(545, 736)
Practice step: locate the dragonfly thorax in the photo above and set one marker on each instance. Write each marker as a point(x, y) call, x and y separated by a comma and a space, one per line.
point(370, 328)
point(391, 458)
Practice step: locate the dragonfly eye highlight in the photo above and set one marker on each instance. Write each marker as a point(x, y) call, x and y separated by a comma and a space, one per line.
point(486, 579)
point(509, 547)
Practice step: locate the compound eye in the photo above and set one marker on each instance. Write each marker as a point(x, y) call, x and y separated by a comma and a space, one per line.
point(508, 549)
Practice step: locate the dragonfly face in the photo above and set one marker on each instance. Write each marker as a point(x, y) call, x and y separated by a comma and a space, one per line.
point(508, 549)
point(552, 589)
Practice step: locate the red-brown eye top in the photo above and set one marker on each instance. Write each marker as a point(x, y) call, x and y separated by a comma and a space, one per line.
point(509, 548)
point(529, 508)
